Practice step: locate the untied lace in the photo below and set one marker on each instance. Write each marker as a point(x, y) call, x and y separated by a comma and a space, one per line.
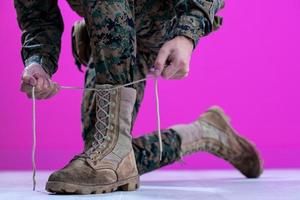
point(102, 136)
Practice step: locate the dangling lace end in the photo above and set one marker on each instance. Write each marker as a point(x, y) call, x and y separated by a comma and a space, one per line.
point(34, 182)
point(34, 139)
point(158, 118)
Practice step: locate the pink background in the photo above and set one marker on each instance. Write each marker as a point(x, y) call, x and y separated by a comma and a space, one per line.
point(250, 67)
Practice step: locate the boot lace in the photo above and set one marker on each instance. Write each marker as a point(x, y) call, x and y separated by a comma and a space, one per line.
point(103, 104)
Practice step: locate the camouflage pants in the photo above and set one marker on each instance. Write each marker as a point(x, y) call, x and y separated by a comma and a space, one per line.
point(125, 37)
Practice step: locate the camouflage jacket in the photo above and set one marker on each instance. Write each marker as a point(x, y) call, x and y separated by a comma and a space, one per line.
point(42, 26)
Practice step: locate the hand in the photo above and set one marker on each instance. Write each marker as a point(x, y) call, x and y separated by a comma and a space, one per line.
point(34, 75)
point(175, 55)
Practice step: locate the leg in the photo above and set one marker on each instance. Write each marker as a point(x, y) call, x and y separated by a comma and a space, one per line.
point(146, 150)
point(153, 25)
point(107, 162)
point(113, 56)
point(154, 21)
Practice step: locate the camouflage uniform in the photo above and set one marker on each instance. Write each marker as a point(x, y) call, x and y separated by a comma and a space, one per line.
point(125, 37)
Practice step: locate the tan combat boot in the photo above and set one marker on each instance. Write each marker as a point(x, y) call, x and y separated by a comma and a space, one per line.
point(108, 164)
point(213, 133)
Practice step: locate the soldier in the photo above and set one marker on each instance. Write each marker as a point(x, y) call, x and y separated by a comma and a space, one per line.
point(126, 37)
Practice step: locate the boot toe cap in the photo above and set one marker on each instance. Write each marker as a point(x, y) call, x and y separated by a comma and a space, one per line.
point(60, 176)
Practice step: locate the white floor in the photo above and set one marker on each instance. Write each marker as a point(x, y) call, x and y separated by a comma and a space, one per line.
point(171, 185)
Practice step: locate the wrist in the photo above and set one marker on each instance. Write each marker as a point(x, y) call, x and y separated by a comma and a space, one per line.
point(43, 61)
point(35, 59)
point(186, 38)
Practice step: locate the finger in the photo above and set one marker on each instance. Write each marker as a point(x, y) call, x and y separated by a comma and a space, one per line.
point(179, 75)
point(53, 91)
point(50, 94)
point(47, 83)
point(169, 71)
point(45, 93)
point(26, 88)
point(42, 94)
point(38, 94)
point(161, 60)
point(175, 76)
point(29, 79)
point(182, 69)
point(172, 69)
point(40, 82)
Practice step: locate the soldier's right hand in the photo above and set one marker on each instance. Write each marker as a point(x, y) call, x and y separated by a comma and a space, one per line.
point(35, 76)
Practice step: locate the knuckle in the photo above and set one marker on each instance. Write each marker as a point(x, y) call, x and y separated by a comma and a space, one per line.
point(183, 62)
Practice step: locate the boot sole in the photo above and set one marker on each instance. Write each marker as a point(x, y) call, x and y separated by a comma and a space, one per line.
point(58, 187)
point(250, 146)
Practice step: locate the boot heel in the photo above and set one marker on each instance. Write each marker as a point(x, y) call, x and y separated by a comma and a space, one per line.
point(132, 184)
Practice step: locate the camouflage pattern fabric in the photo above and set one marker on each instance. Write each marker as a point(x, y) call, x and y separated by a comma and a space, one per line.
point(125, 37)
point(146, 150)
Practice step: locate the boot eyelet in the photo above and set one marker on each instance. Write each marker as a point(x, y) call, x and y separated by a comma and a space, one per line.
point(113, 104)
point(111, 127)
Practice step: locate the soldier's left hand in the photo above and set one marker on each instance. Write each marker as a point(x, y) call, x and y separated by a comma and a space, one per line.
point(173, 59)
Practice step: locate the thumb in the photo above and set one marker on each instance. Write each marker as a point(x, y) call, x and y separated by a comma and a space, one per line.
point(29, 79)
